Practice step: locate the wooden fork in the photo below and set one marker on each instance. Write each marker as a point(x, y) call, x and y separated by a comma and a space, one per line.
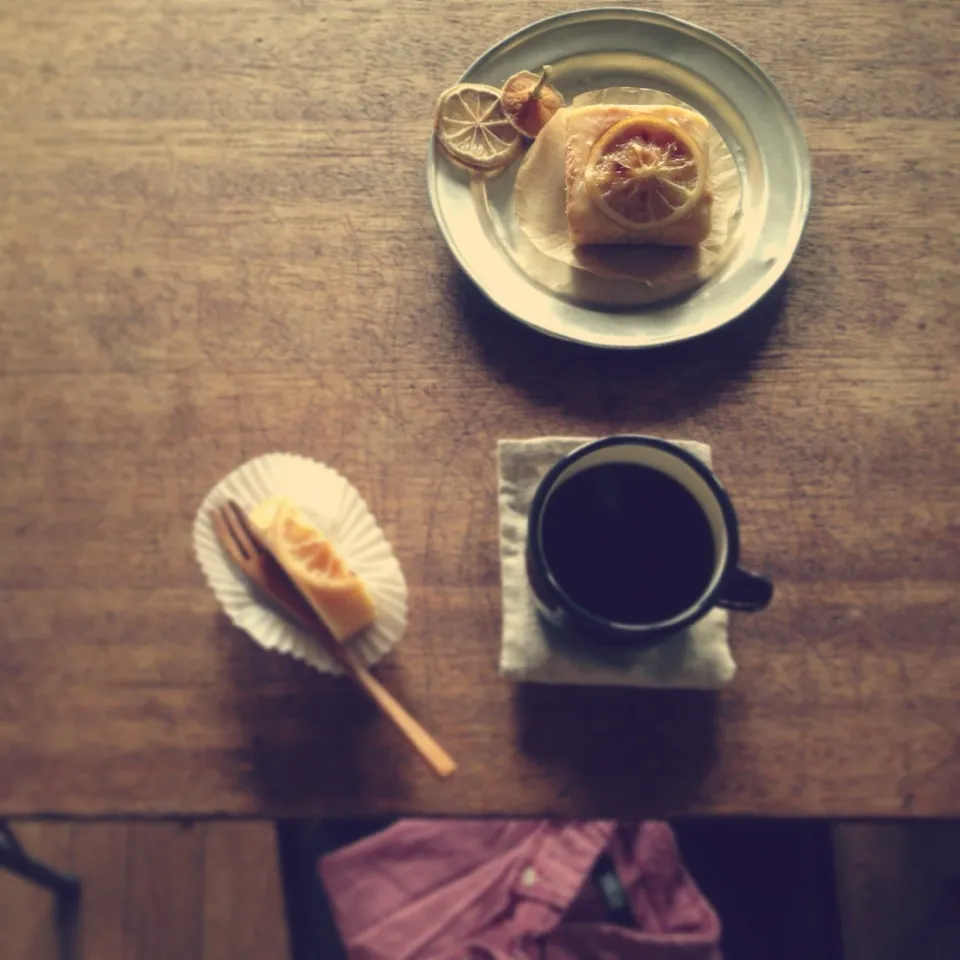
point(254, 558)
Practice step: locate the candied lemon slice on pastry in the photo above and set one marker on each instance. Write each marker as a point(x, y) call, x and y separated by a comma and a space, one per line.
point(335, 592)
point(645, 172)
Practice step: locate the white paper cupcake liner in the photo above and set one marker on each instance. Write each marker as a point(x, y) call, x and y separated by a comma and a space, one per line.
point(330, 502)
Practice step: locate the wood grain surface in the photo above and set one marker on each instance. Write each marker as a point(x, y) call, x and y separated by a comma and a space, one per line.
point(151, 891)
point(216, 242)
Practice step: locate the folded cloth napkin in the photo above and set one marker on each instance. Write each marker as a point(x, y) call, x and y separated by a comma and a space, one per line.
point(534, 650)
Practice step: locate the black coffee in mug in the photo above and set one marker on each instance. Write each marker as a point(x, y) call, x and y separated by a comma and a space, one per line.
point(632, 539)
point(628, 543)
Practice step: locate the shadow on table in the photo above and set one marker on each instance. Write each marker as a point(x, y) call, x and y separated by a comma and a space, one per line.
point(637, 752)
point(308, 738)
point(661, 384)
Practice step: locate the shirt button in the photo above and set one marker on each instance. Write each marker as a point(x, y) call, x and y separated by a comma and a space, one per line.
point(529, 877)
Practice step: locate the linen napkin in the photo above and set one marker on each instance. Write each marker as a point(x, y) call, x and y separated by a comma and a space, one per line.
point(533, 650)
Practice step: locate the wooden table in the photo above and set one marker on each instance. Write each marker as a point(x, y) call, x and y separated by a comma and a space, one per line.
point(216, 242)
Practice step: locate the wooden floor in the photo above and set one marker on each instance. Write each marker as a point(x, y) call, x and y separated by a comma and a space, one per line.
point(211, 891)
point(152, 891)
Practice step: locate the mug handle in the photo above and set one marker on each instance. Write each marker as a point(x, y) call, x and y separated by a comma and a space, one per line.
point(744, 590)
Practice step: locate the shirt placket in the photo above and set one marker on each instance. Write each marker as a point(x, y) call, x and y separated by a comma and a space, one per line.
point(550, 880)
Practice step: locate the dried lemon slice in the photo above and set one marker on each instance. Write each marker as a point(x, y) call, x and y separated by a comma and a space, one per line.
point(644, 172)
point(472, 127)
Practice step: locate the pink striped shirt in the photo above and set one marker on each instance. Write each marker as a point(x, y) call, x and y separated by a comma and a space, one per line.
point(508, 889)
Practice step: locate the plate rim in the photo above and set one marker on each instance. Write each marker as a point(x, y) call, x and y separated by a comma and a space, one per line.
point(754, 294)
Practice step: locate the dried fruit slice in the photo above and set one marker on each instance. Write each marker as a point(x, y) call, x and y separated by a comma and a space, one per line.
point(645, 172)
point(472, 127)
point(529, 102)
point(336, 593)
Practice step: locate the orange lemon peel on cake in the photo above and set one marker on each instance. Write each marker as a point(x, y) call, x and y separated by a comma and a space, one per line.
point(337, 595)
point(529, 102)
point(644, 172)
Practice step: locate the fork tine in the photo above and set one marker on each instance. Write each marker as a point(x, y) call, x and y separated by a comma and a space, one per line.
point(237, 533)
point(224, 532)
point(239, 524)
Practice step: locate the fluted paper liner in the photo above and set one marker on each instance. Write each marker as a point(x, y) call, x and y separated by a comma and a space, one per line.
point(335, 507)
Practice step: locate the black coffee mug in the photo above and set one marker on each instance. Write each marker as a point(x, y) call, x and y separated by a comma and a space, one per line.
point(633, 538)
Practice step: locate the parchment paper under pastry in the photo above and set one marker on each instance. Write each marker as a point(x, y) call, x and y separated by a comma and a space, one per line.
point(640, 274)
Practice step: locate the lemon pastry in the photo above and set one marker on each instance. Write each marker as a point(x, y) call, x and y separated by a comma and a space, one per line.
point(338, 595)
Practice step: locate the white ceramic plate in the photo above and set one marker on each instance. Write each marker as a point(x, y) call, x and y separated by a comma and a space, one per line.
point(609, 47)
